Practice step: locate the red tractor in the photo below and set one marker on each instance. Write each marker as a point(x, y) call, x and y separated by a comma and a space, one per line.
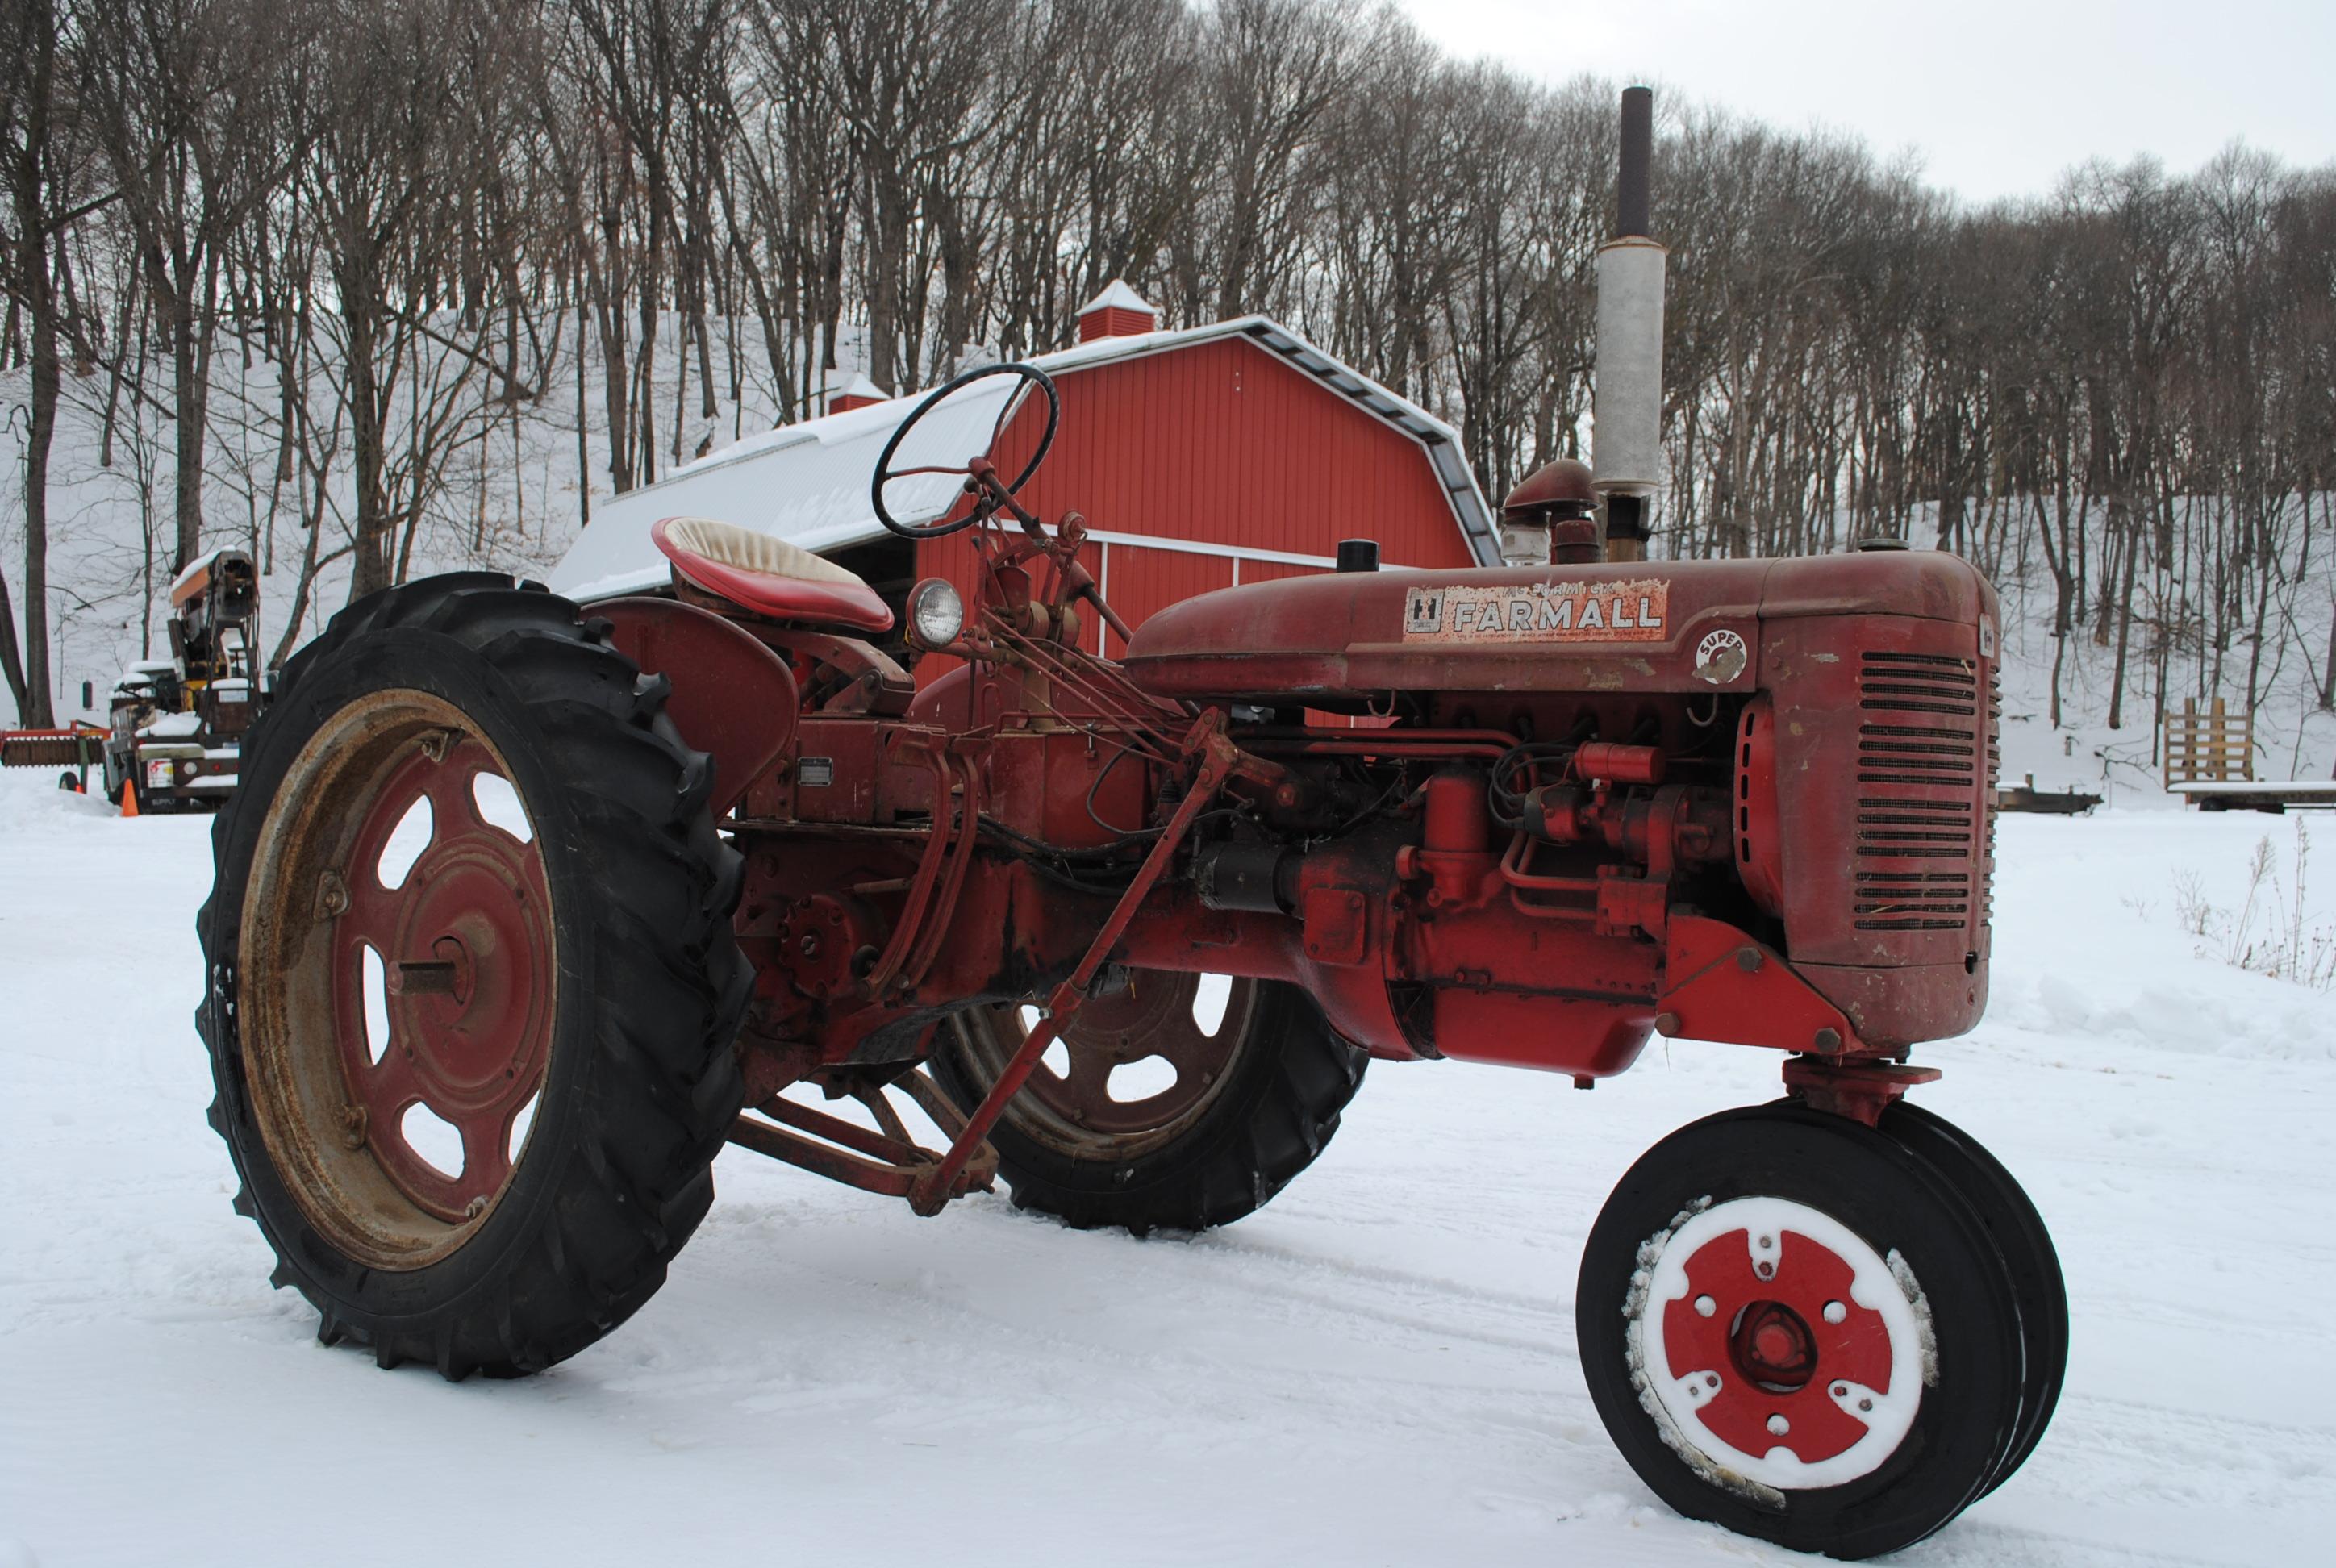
point(522, 910)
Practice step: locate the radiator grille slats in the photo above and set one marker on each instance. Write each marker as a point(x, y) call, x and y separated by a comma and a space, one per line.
point(1994, 773)
point(1921, 749)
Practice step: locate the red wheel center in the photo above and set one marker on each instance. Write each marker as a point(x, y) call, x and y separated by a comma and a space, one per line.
point(464, 947)
point(1771, 1319)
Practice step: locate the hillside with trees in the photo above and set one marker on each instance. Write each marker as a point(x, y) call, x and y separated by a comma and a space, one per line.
point(384, 285)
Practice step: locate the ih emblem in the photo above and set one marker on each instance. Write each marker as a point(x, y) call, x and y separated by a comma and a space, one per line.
point(1632, 612)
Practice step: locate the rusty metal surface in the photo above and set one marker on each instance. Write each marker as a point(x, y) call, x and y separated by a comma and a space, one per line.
point(1540, 852)
point(80, 746)
point(1218, 760)
point(1151, 1014)
point(1861, 1091)
point(887, 1162)
point(470, 1028)
point(1345, 635)
point(465, 943)
point(732, 697)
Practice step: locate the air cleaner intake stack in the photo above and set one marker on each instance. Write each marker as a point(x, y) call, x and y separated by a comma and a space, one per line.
point(1627, 399)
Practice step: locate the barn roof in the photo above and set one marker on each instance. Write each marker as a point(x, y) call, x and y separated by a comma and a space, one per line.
point(808, 483)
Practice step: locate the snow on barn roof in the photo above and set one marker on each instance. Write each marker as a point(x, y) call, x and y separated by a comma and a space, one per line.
point(807, 483)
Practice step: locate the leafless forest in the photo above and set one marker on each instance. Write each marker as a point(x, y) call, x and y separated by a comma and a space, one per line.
point(430, 219)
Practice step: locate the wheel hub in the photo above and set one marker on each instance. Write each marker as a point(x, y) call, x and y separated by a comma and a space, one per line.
point(464, 941)
point(1780, 1344)
point(1771, 1346)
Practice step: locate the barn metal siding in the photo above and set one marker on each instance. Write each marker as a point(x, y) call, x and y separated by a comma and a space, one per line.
point(1223, 444)
point(1144, 583)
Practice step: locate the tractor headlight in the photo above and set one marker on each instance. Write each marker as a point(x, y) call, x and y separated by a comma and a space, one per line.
point(936, 613)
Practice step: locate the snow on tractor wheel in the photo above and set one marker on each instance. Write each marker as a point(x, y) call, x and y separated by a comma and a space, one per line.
point(1217, 1110)
point(1804, 1329)
point(472, 988)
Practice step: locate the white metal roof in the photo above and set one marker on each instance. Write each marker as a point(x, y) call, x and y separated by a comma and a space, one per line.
point(807, 483)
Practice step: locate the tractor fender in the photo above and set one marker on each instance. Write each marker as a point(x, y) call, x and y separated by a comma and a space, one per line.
point(732, 698)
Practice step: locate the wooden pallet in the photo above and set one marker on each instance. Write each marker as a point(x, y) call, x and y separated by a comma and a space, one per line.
point(2214, 746)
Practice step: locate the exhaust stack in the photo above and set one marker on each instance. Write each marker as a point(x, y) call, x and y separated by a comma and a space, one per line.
point(1627, 393)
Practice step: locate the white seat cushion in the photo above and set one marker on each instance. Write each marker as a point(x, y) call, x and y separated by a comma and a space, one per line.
point(743, 549)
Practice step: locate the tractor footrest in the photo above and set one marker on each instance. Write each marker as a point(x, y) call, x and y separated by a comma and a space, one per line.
point(889, 1161)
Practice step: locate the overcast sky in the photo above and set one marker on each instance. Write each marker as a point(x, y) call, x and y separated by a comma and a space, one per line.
point(1997, 96)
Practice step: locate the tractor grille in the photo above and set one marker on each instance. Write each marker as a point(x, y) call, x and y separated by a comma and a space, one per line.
point(1994, 771)
point(1921, 749)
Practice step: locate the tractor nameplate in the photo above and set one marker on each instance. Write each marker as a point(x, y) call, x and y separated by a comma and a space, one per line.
point(1632, 612)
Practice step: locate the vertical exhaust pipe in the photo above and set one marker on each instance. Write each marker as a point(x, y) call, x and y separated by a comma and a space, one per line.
point(1627, 393)
point(1637, 152)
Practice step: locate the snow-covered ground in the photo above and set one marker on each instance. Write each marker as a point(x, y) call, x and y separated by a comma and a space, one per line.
point(1379, 1369)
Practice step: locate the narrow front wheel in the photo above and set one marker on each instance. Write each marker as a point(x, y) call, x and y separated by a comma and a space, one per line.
point(1795, 1326)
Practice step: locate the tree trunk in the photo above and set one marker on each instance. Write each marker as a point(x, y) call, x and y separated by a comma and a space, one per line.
point(34, 704)
point(192, 406)
point(31, 192)
point(2328, 679)
point(371, 570)
point(2124, 636)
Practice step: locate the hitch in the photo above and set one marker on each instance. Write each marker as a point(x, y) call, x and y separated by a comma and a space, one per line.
point(889, 1161)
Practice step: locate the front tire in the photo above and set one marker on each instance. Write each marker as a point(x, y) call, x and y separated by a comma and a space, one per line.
point(468, 870)
point(1793, 1327)
point(1253, 1102)
point(2032, 1264)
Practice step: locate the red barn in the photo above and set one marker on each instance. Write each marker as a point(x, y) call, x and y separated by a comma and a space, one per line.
point(1201, 458)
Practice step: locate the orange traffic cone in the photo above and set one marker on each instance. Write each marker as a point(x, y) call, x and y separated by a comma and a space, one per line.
point(129, 797)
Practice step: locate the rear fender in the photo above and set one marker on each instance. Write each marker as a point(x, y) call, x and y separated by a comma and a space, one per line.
point(732, 698)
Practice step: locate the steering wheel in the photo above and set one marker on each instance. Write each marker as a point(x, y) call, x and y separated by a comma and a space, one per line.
point(999, 493)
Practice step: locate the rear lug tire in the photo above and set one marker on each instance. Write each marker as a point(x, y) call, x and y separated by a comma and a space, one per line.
point(559, 987)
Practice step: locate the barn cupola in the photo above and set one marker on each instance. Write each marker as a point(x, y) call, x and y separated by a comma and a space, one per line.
point(1117, 312)
point(858, 393)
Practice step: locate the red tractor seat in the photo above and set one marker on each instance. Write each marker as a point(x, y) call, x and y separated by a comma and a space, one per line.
point(768, 576)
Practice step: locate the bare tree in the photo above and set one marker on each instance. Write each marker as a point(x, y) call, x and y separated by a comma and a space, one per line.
point(198, 105)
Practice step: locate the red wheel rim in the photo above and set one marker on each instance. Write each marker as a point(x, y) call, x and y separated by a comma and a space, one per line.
point(1080, 1109)
point(464, 942)
point(464, 978)
point(1774, 1336)
point(1779, 1342)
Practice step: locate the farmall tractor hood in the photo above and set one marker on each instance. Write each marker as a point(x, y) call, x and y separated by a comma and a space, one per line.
point(1640, 626)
